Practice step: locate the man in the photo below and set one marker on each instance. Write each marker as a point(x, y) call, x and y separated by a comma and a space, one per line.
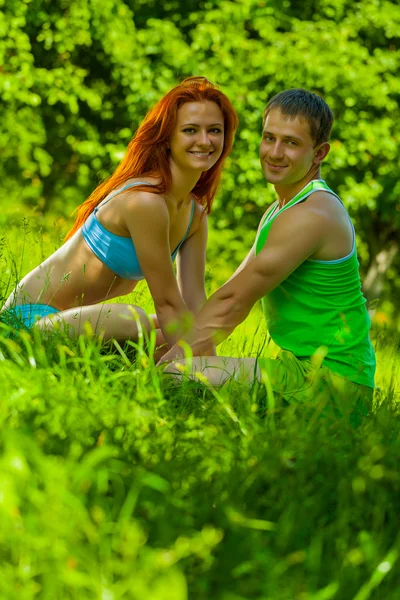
point(304, 268)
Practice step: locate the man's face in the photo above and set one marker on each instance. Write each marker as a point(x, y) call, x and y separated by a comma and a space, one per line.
point(287, 149)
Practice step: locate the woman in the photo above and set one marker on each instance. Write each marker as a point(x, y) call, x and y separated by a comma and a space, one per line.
point(151, 209)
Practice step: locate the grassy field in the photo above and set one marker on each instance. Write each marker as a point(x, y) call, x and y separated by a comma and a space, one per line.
point(117, 484)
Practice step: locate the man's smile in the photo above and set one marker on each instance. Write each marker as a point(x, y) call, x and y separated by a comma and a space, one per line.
point(276, 167)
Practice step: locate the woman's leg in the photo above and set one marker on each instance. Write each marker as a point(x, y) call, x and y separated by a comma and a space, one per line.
point(118, 321)
point(216, 369)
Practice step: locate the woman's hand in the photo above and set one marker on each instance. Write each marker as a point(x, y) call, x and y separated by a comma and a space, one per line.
point(175, 353)
point(161, 346)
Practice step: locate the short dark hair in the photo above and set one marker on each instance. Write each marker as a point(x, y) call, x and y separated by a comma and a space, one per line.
point(299, 102)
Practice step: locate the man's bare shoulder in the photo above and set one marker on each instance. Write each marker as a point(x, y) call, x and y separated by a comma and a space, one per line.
point(321, 209)
point(304, 214)
point(325, 203)
point(324, 218)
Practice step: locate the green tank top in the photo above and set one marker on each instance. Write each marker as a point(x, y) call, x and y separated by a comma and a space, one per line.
point(320, 307)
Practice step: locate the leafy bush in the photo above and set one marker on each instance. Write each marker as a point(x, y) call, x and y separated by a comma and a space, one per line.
point(77, 81)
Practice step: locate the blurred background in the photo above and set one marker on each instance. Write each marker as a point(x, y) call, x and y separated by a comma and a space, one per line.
point(78, 76)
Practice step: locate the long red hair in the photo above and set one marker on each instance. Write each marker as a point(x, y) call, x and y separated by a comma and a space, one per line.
point(147, 152)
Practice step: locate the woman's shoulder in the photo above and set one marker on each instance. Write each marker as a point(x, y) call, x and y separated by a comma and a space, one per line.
point(144, 207)
point(199, 212)
point(134, 186)
point(142, 179)
point(198, 219)
point(126, 204)
point(135, 198)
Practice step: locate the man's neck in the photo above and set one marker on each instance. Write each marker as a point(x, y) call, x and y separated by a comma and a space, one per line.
point(287, 192)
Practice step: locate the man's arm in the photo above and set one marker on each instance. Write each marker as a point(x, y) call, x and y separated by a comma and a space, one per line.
point(252, 251)
point(294, 236)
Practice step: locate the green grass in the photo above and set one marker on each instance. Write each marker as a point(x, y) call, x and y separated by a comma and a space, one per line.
point(116, 484)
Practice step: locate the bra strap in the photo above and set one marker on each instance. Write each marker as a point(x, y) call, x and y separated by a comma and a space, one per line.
point(127, 186)
point(187, 230)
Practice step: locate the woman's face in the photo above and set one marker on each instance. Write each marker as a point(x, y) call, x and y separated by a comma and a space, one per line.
point(197, 139)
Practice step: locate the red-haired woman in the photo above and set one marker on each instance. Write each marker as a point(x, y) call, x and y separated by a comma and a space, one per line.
point(152, 208)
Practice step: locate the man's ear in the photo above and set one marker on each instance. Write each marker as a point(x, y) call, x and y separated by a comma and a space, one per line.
point(321, 152)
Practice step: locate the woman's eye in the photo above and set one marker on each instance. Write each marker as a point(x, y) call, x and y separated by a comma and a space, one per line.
point(189, 130)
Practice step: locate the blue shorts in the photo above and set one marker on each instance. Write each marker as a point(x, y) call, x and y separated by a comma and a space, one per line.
point(25, 315)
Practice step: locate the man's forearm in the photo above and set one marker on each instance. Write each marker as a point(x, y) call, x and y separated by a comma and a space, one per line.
point(216, 321)
point(223, 312)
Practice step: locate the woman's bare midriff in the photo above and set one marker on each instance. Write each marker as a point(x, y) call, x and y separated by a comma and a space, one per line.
point(73, 276)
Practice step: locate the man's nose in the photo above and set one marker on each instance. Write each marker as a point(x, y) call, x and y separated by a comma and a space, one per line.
point(276, 150)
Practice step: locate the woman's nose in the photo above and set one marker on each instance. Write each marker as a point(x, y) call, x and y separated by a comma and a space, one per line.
point(204, 138)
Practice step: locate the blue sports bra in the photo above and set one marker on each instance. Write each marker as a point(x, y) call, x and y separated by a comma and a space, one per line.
point(115, 251)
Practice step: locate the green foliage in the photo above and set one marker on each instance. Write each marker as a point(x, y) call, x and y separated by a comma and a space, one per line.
point(115, 483)
point(76, 81)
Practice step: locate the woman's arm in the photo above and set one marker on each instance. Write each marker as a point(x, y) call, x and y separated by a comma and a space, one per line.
point(147, 219)
point(191, 266)
point(191, 263)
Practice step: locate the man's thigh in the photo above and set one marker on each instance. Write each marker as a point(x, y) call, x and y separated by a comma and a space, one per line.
point(291, 380)
point(303, 383)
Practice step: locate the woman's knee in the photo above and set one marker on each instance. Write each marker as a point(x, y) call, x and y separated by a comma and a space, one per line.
point(136, 315)
point(55, 324)
point(45, 323)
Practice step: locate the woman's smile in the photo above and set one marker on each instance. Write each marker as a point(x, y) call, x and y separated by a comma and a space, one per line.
point(200, 154)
